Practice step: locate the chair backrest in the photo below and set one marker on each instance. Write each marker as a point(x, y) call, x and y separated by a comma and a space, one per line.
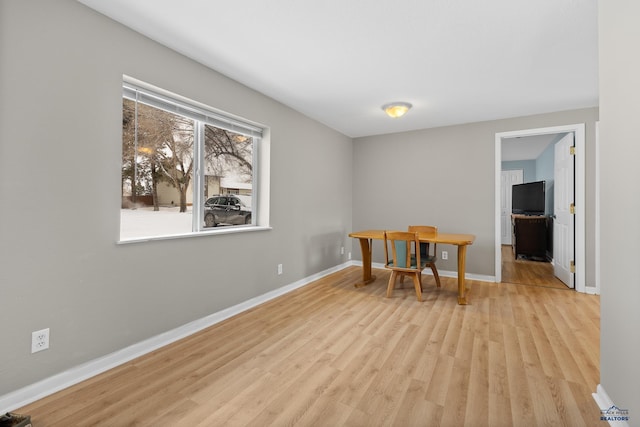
point(403, 250)
point(425, 229)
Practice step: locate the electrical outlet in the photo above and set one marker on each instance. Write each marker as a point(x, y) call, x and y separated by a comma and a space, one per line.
point(279, 268)
point(349, 255)
point(341, 250)
point(39, 340)
point(445, 255)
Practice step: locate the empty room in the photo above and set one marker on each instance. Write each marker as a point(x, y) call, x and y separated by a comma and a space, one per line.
point(202, 201)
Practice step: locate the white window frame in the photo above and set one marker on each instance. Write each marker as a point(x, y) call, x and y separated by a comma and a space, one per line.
point(202, 115)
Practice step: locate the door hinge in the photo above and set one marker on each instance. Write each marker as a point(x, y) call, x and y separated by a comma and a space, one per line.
point(573, 266)
point(572, 208)
point(572, 150)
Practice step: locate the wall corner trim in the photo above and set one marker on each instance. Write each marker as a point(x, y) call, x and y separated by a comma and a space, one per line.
point(604, 402)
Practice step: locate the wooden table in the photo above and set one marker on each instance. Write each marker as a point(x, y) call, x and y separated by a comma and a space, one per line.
point(460, 240)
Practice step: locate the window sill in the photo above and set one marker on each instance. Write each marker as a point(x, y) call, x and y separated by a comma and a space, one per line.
point(214, 232)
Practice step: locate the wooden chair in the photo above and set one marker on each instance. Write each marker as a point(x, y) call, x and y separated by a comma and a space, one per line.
point(404, 260)
point(425, 255)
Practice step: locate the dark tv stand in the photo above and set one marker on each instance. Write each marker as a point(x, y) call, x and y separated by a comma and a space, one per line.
point(529, 236)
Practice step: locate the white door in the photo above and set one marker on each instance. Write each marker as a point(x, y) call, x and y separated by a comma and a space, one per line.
point(508, 179)
point(563, 219)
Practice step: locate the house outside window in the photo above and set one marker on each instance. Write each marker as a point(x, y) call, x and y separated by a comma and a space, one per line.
point(176, 156)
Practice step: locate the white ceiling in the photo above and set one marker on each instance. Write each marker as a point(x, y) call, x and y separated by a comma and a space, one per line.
point(526, 147)
point(339, 61)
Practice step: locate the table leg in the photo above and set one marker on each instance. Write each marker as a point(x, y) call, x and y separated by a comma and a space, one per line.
point(462, 290)
point(366, 247)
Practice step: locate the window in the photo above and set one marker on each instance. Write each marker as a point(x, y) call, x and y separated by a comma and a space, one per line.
point(176, 156)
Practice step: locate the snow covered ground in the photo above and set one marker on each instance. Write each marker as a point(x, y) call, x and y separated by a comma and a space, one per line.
point(144, 222)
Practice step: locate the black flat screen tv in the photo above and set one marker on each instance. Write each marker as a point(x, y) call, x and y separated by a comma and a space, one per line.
point(528, 199)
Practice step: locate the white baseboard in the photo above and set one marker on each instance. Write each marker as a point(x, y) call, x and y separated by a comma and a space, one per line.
point(443, 273)
point(606, 404)
point(77, 374)
point(591, 290)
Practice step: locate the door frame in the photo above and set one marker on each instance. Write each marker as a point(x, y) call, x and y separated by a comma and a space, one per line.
point(597, 213)
point(579, 196)
point(509, 233)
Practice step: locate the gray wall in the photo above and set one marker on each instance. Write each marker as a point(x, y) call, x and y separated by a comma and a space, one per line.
point(446, 177)
point(619, 38)
point(60, 142)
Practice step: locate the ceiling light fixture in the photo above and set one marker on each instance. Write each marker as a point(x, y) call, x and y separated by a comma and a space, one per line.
point(396, 109)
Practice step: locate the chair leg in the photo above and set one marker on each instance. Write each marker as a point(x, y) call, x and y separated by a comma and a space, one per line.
point(418, 286)
point(392, 283)
point(435, 274)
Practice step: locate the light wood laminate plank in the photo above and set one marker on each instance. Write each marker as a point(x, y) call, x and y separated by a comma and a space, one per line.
point(329, 354)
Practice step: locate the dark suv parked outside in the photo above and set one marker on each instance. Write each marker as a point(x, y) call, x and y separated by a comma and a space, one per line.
point(228, 209)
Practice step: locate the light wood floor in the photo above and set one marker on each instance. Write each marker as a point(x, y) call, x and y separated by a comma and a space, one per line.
point(329, 354)
point(526, 272)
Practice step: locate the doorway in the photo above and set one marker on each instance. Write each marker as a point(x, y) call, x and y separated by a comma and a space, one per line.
point(578, 131)
point(528, 272)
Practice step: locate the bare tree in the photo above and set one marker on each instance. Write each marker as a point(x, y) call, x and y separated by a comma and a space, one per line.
point(226, 150)
point(176, 157)
point(139, 143)
point(163, 150)
point(158, 146)
point(128, 149)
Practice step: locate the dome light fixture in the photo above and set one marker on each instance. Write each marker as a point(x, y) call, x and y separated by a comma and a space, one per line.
point(396, 109)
